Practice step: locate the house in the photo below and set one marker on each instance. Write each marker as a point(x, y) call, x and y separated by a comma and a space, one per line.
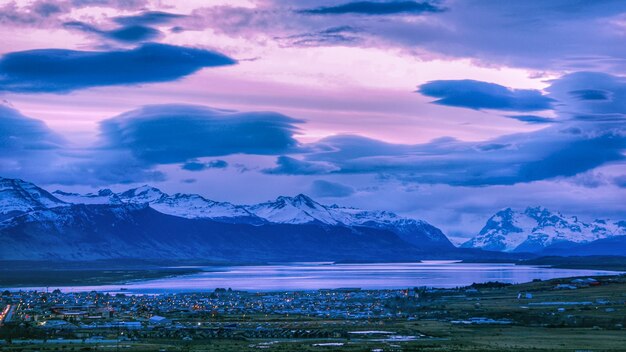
point(159, 320)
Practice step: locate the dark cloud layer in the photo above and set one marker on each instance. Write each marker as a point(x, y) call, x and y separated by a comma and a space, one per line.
point(532, 119)
point(147, 18)
point(482, 95)
point(201, 166)
point(21, 134)
point(322, 188)
point(592, 95)
point(556, 35)
point(30, 150)
point(134, 144)
point(620, 181)
point(586, 134)
point(524, 157)
point(130, 34)
point(60, 70)
point(161, 134)
point(340, 35)
point(286, 165)
point(47, 13)
point(373, 8)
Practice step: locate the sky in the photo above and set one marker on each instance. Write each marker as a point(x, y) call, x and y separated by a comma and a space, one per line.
point(442, 110)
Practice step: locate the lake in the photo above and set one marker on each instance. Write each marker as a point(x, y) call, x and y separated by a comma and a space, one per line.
point(313, 276)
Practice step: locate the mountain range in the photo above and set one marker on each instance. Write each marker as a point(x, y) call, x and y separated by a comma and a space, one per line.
point(147, 223)
point(538, 230)
point(297, 210)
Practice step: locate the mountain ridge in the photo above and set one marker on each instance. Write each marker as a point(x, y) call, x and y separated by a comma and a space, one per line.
point(299, 209)
point(537, 228)
point(532, 230)
point(145, 222)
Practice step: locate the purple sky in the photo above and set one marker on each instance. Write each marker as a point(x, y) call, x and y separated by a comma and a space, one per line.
point(443, 110)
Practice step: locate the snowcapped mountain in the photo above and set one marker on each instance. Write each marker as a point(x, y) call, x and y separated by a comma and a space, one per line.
point(145, 222)
point(193, 206)
point(300, 209)
point(103, 196)
point(17, 196)
point(96, 231)
point(143, 194)
point(190, 206)
point(294, 210)
point(537, 228)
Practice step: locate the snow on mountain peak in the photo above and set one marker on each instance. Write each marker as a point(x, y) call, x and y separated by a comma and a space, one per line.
point(300, 209)
point(143, 194)
point(20, 196)
point(195, 206)
point(191, 206)
point(536, 228)
point(103, 196)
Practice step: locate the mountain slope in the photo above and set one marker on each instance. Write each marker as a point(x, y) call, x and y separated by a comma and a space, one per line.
point(416, 232)
point(88, 232)
point(296, 210)
point(615, 245)
point(191, 206)
point(103, 196)
point(17, 196)
point(537, 228)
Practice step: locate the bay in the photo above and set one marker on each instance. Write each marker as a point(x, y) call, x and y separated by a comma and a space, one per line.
point(314, 276)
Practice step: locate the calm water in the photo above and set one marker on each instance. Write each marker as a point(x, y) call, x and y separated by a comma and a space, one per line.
point(313, 276)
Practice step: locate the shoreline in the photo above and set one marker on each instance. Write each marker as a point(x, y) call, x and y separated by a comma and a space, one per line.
point(69, 280)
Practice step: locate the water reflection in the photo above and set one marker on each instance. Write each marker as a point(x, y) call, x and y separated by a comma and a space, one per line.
point(313, 276)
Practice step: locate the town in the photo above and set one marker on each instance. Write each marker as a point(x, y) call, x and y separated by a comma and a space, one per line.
point(340, 319)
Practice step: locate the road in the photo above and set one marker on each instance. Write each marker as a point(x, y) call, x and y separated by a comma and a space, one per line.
point(6, 314)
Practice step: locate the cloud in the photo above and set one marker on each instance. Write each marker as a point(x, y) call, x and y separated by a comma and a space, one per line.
point(554, 35)
point(48, 13)
point(21, 134)
point(200, 166)
point(116, 4)
point(323, 188)
point(162, 134)
point(286, 165)
point(620, 181)
point(129, 34)
point(532, 119)
point(340, 35)
point(60, 70)
point(147, 18)
point(136, 146)
point(592, 95)
point(590, 133)
point(96, 167)
point(372, 8)
point(589, 179)
point(541, 35)
point(29, 149)
point(131, 29)
point(510, 159)
point(483, 95)
point(46, 9)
